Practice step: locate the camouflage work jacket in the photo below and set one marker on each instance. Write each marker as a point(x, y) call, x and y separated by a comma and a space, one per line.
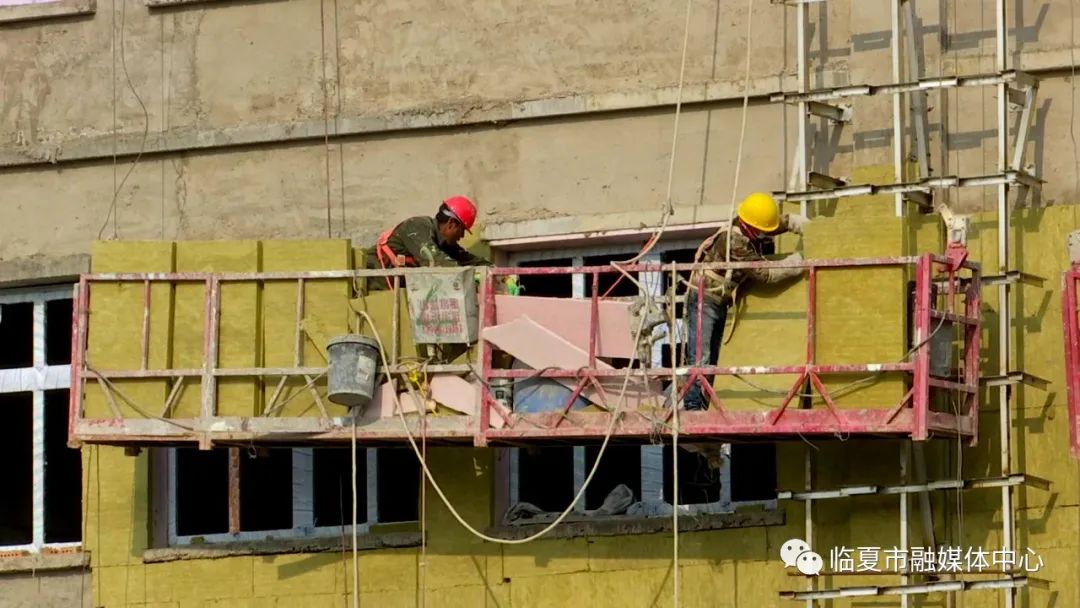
point(721, 285)
point(418, 238)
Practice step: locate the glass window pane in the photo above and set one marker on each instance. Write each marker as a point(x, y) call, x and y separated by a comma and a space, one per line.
point(17, 473)
point(17, 335)
point(621, 465)
point(546, 477)
point(333, 486)
point(550, 285)
point(63, 474)
point(58, 332)
point(202, 491)
point(266, 489)
point(399, 485)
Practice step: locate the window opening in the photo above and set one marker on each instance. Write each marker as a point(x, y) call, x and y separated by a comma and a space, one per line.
point(202, 491)
point(63, 474)
point(16, 452)
point(17, 335)
point(333, 486)
point(266, 498)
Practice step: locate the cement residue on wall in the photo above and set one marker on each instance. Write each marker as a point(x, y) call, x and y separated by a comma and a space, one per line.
point(59, 589)
point(222, 65)
point(565, 168)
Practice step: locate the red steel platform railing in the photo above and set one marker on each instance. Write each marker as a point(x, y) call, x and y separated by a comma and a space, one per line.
point(1072, 353)
point(946, 291)
point(956, 284)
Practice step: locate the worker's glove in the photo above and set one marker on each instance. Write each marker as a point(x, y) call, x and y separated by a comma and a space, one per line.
point(795, 223)
point(780, 274)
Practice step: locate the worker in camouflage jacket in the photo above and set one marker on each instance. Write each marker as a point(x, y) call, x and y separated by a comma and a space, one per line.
point(431, 241)
point(758, 219)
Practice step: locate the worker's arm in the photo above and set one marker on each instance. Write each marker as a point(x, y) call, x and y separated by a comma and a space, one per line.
point(743, 251)
point(431, 254)
point(461, 257)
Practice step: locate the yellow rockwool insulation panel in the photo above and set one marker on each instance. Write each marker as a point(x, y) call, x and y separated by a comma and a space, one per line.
point(326, 306)
point(114, 339)
point(861, 312)
point(1038, 247)
point(117, 520)
point(768, 329)
point(380, 305)
point(720, 568)
point(238, 316)
point(457, 557)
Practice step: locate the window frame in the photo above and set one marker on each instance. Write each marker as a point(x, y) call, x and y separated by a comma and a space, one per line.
point(303, 503)
point(37, 379)
point(652, 456)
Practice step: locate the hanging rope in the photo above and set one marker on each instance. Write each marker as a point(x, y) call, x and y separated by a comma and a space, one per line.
point(674, 439)
point(742, 127)
point(355, 549)
point(615, 416)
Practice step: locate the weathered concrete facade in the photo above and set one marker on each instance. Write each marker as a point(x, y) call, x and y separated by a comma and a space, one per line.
point(244, 118)
point(304, 119)
point(60, 588)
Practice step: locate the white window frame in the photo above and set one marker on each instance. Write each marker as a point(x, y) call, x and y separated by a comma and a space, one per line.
point(37, 379)
point(303, 506)
point(652, 456)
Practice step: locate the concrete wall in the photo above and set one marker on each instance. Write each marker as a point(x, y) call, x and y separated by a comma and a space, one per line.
point(215, 76)
point(54, 589)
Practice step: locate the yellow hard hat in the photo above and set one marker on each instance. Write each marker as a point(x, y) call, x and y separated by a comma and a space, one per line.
point(760, 211)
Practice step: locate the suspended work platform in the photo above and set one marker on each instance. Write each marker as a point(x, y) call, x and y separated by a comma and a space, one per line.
point(209, 358)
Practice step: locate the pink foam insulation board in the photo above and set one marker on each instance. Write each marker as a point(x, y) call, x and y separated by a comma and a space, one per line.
point(456, 393)
point(539, 348)
point(450, 391)
point(570, 319)
point(382, 404)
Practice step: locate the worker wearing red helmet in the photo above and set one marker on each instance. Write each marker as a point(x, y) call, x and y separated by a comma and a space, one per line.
point(431, 241)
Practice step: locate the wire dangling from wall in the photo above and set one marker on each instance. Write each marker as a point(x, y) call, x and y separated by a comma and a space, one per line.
point(112, 212)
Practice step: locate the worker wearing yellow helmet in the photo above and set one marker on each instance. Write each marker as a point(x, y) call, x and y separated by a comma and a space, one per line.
point(758, 218)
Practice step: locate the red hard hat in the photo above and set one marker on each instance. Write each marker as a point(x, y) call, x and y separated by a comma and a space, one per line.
point(463, 208)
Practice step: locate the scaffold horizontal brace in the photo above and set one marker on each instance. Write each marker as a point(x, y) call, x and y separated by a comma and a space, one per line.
point(257, 371)
point(945, 484)
point(925, 185)
point(824, 182)
point(832, 112)
point(953, 317)
point(1020, 80)
point(1016, 377)
point(916, 589)
point(1014, 277)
